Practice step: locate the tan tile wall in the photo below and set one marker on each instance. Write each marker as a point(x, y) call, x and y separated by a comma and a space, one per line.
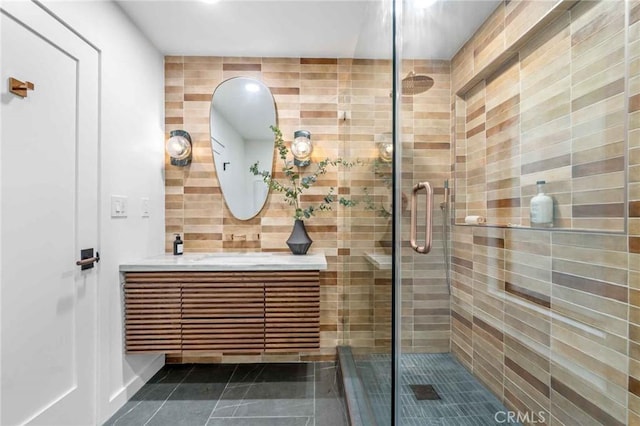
point(355, 297)
point(548, 319)
point(306, 93)
point(541, 318)
point(634, 212)
point(426, 146)
point(553, 112)
point(366, 318)
point(499, 37)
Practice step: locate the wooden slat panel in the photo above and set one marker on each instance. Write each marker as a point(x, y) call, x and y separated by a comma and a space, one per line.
point(152, 317)
point(166, 346)
point(238, 312)
point(223, 277)
point(140, 315)
point(292, 316)
point(228, 338)
point(223, 313)
point(192, 322)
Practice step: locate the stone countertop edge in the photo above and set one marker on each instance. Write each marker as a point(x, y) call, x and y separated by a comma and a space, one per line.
point(227, 261)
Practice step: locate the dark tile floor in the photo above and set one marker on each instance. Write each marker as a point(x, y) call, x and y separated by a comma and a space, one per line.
point(464, 400)
point(296, 394)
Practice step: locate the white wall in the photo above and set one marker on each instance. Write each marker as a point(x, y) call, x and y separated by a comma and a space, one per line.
point(234, 179)
point(256, 149)
point(132, 143)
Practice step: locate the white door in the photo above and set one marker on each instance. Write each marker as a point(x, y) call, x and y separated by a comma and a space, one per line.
point(49, 212)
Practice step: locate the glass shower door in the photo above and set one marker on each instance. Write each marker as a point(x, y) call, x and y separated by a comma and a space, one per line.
point(423, 168)
point(396, 302)
point(366, 229)
point(431, 385)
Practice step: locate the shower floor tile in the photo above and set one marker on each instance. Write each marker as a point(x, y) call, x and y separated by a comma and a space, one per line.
point(464, 400)
point(291, 394)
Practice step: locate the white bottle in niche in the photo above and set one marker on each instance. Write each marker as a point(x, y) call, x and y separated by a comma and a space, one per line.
point(541, 212)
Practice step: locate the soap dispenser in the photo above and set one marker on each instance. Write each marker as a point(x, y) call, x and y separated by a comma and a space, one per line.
point(178, 247)
point(541, 212)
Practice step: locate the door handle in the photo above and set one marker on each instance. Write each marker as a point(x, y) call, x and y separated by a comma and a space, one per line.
point(87, 259)
point(426, 248)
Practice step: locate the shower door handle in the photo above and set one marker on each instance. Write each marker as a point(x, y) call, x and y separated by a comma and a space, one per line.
point(426, 248)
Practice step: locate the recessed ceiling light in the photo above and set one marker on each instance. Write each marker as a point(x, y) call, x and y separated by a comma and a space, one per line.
point(210, 1)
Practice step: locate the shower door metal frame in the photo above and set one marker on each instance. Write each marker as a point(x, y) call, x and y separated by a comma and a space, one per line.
point(396, 254)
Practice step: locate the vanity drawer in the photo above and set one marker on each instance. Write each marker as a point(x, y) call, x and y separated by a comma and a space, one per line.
point(292, 313)
point(223, 316)
point(152, 311)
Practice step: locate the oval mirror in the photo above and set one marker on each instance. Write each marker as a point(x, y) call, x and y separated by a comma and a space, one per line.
point(242, 111)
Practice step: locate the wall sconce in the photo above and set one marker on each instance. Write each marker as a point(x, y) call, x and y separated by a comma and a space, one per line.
point(385, 150)
point(179, 148)
point(385, 146)
point(301, 148)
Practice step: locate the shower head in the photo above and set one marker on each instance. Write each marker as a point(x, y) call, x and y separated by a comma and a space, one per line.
point(414, 83)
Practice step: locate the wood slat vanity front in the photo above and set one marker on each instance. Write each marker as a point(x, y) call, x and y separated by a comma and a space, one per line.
point(220, 312)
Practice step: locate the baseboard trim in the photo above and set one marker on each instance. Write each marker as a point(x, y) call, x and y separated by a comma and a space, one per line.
point(122, 395)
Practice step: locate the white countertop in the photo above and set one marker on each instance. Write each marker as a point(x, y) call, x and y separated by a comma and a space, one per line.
point(228, 261)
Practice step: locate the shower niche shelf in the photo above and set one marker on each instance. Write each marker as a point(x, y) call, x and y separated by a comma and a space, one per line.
point(379, 261)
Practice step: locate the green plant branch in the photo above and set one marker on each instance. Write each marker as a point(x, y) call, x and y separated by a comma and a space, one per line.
point(370, 205)
point(298, 183)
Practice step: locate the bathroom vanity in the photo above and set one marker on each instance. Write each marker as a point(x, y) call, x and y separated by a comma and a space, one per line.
point(222, 303)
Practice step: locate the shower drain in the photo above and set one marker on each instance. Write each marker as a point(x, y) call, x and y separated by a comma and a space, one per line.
point(424, 392)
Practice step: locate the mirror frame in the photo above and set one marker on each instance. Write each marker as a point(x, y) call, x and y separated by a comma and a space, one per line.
point(233, 184)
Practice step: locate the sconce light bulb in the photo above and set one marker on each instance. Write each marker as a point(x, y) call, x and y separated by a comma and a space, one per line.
point(301, 148)
point(178, 147)
point(386, 151)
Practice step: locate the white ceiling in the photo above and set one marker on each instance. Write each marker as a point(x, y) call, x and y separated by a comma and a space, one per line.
point(306, 28)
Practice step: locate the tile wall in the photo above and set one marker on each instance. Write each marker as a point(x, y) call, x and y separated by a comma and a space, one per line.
point(633, 159)
point(366, 314)
point(306, 93)
point(554, 112)
point(549, 319)
point(426, 149)
point(309, 93)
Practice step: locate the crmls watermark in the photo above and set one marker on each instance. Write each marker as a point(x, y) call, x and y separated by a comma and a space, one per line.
point(529, 417)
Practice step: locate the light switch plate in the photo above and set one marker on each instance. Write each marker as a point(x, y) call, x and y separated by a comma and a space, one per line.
point(119, 206)
point(144, 206)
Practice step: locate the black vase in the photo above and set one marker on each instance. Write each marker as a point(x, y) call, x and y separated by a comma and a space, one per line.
point(299, 241)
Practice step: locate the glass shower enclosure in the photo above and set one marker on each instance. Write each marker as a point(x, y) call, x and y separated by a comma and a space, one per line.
point(526, 91)
point(396, 295)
